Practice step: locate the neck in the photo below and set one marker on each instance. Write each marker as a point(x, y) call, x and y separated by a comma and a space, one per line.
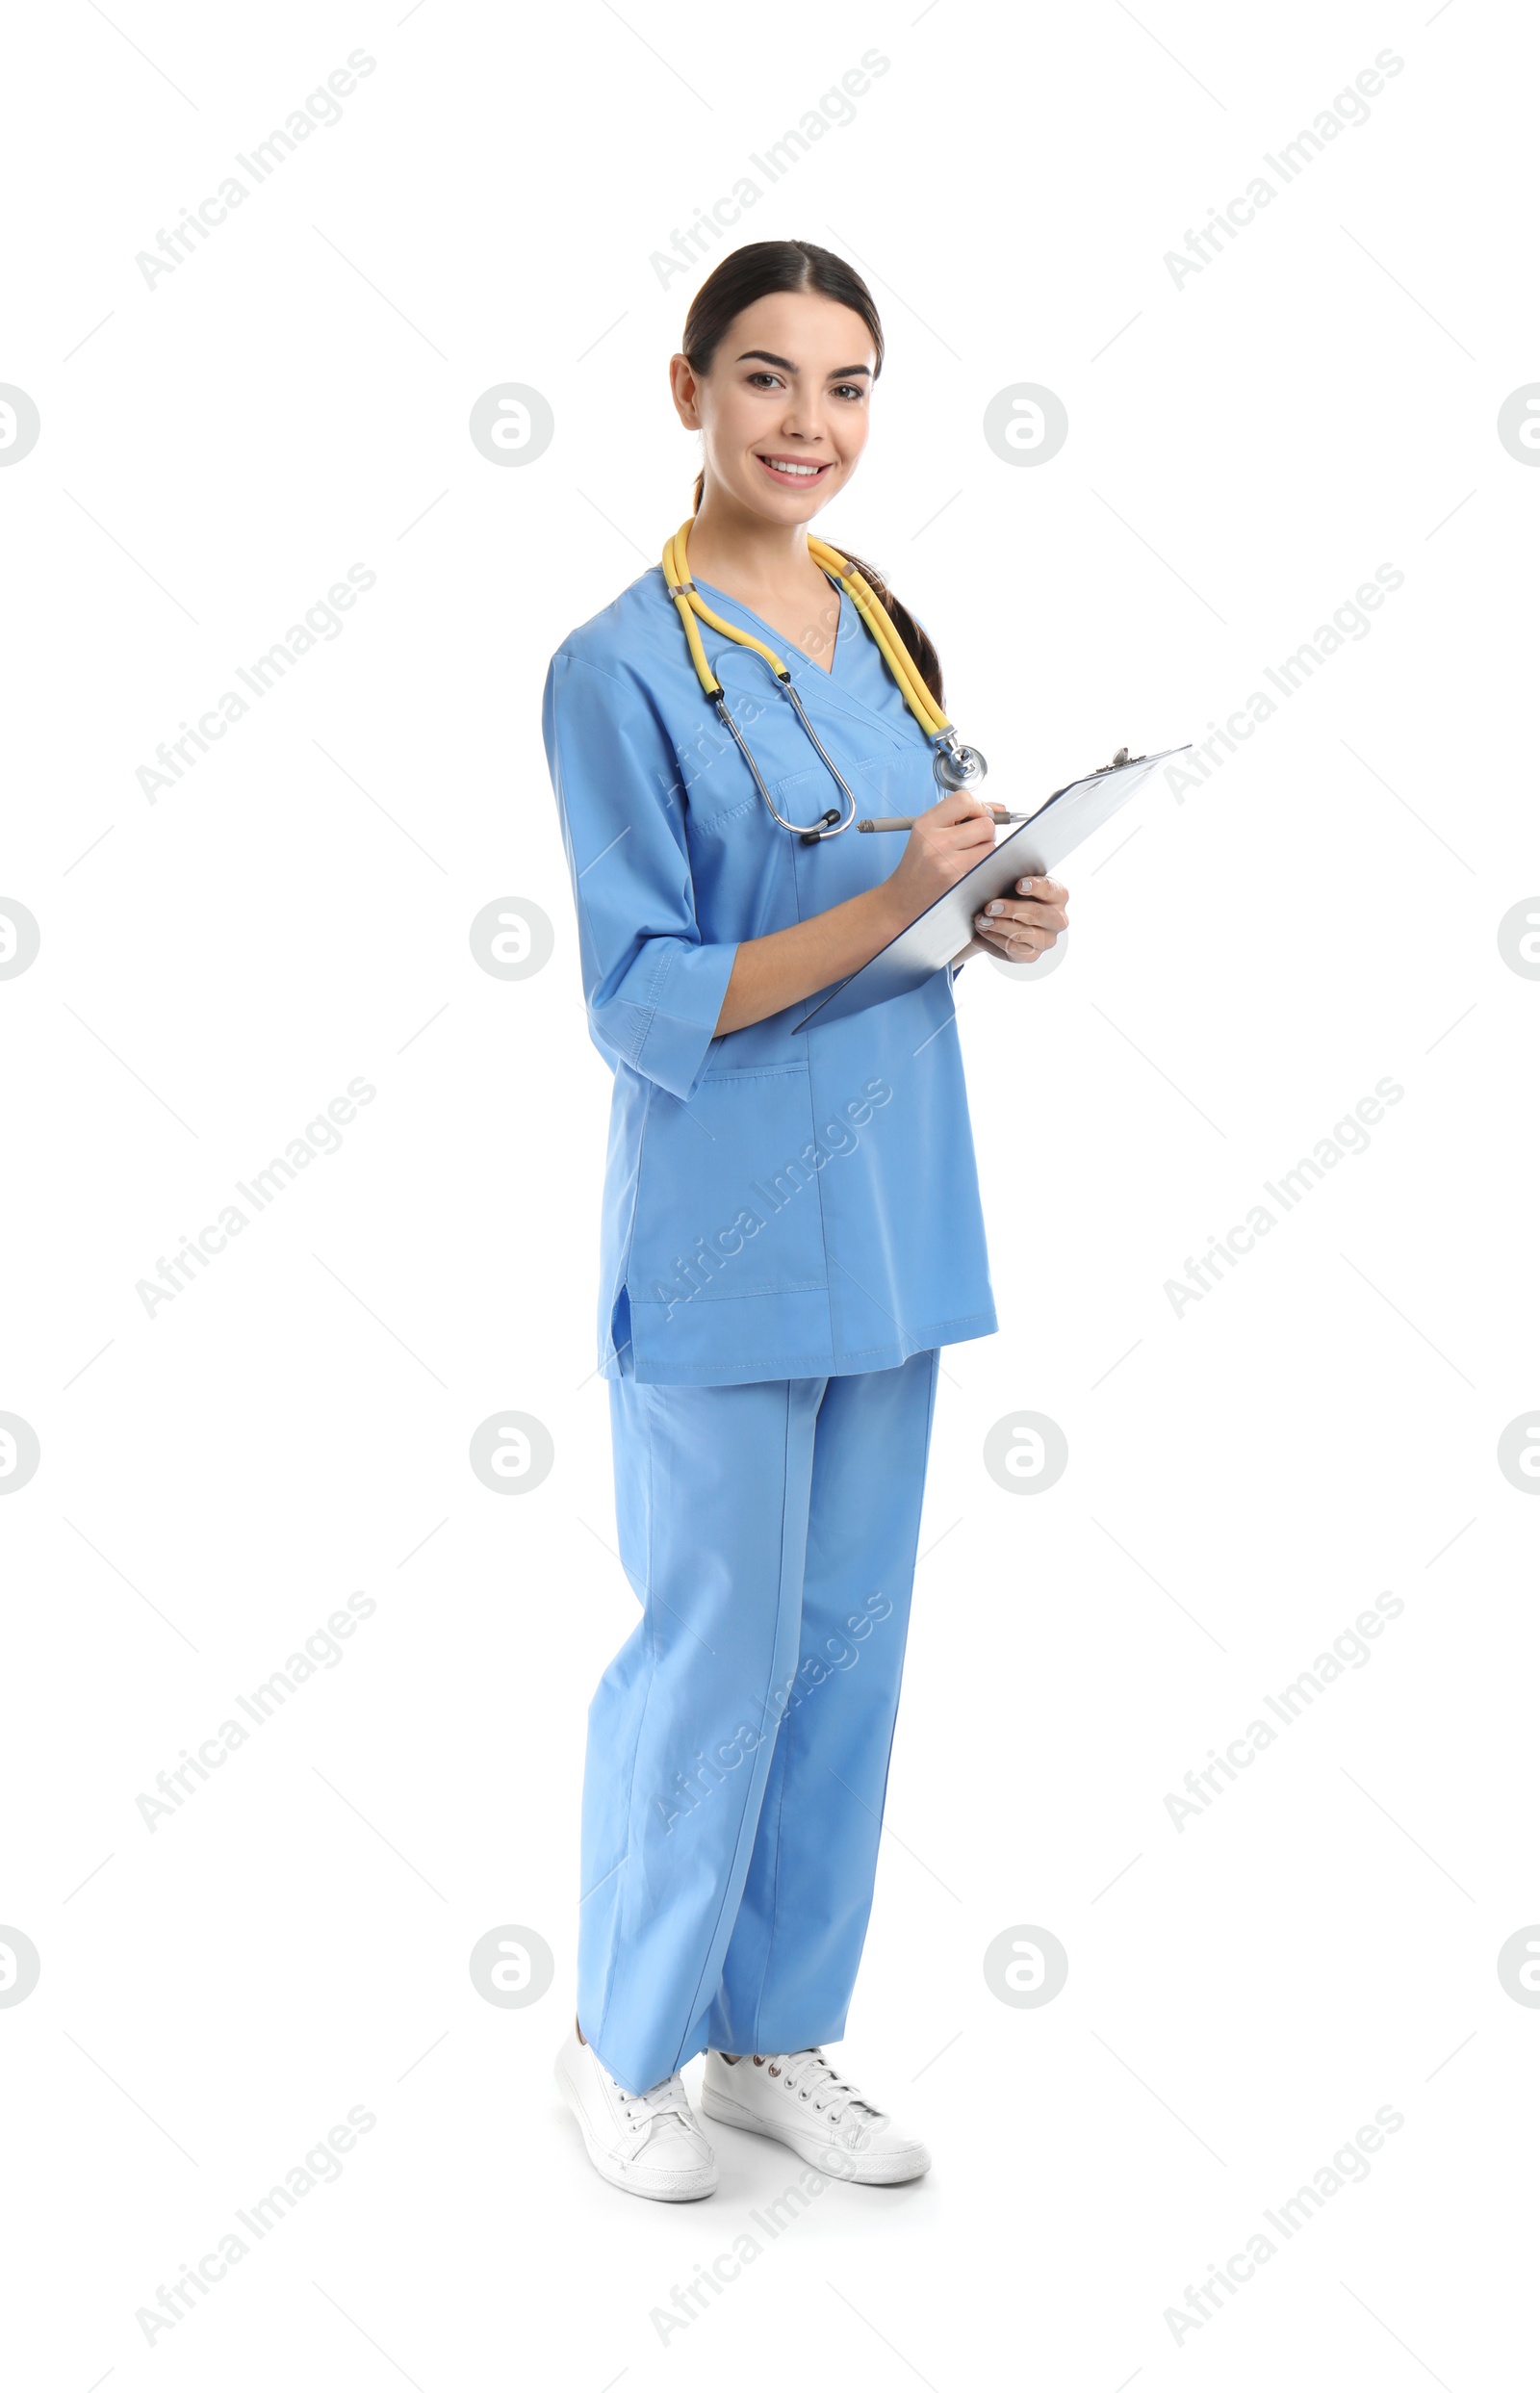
point(729, 546)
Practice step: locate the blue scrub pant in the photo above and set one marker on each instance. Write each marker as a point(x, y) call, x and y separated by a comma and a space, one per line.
point(738, 1744)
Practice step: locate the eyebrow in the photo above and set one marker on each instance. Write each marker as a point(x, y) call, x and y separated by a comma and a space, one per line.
point(840, 374)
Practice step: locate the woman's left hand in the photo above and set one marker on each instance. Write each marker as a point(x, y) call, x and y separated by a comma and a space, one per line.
point(1021, 928)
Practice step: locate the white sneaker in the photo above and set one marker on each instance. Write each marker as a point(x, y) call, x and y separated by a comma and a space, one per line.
point(647, 2143)
point(800, 2099)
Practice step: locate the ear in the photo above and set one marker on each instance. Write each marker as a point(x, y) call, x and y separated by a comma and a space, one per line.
point(683, 385)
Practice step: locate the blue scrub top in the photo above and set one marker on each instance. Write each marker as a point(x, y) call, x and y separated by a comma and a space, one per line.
point(777, 1203)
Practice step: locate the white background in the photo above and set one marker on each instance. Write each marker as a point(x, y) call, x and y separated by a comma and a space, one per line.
point(1244, 449)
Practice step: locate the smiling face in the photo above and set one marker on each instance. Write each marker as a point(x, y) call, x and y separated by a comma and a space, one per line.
point(783, 412)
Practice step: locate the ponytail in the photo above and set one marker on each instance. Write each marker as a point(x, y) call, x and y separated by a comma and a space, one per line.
point(927, 663)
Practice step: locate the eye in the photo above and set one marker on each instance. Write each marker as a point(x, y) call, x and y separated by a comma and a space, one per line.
point(849, 390)
point(761, 377)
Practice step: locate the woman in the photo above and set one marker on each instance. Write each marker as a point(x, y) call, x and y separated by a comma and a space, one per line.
point(791, 1231)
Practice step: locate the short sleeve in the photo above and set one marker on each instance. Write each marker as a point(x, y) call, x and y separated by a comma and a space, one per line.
point(653, 986)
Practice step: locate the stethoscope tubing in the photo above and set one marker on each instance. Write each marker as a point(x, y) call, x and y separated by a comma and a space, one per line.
point(828, 823)
point(954, 767)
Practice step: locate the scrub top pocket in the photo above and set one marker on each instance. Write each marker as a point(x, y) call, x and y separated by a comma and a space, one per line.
point(727, 1203)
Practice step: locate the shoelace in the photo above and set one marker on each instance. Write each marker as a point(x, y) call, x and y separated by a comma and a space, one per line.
point(809, 2074)
point(664, 2101)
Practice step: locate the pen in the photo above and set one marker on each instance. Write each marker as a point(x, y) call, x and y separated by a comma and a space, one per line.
point(906, 822)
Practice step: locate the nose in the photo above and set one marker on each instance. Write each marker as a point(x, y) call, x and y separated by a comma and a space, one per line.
point(802, 420)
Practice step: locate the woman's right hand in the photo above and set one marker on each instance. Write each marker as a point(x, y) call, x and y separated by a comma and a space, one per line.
point(783, 966)
point(946, 842)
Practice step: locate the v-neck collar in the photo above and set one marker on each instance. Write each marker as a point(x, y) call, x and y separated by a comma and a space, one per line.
point(821, 686)
point(777, 641)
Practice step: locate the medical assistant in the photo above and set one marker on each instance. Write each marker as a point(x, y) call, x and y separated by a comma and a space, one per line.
point(777, 1203)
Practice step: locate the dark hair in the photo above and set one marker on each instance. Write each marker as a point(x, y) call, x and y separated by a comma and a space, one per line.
point(753, 273)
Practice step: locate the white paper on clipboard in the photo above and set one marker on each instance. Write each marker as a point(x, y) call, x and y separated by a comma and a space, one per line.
point(1036, 847)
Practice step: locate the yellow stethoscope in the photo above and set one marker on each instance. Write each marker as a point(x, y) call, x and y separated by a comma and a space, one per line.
point(954, 767)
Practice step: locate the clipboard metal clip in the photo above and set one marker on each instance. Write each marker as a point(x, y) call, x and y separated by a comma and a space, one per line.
point(1121, 758)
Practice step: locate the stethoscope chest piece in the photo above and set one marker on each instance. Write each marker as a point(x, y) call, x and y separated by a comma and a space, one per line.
point(957, 768)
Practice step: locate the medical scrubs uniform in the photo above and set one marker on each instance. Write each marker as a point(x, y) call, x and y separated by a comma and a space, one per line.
point(791, 1230)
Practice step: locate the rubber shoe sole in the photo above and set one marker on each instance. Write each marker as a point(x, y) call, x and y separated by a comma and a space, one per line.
point(846, 2167)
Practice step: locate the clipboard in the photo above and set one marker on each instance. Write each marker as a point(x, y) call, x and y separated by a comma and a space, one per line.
point(1036, 847)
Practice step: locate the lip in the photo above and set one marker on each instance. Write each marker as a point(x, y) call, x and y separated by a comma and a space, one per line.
point(807, 481)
